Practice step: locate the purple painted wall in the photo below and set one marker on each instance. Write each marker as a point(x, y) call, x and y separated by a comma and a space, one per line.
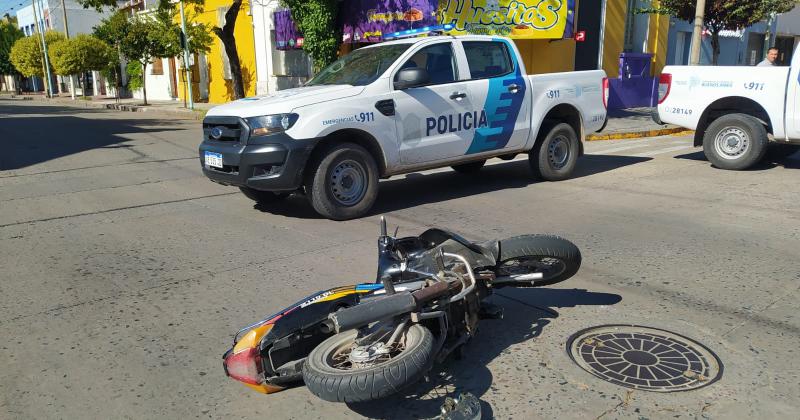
point(634, 87)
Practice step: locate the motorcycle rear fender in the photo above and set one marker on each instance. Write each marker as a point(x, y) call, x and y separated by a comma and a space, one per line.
point(284, 337)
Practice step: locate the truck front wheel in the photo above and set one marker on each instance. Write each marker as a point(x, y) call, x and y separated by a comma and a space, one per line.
point(343, 182)
point(735, 141)
point(555, 157)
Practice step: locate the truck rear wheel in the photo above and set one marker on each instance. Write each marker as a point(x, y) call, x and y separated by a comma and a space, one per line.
point(555, 157)
point(343, 183)
point(735, 141)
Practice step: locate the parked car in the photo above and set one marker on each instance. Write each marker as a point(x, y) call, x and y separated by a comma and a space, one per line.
point(739, 114)
point(397, 107)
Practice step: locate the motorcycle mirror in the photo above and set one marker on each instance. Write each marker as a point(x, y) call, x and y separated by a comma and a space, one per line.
point(383, 226)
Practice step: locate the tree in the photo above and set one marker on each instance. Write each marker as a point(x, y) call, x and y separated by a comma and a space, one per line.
point(146, 39)
point(9, 34)
point(724, 14)
point(316, 19)
point(112, 31)
point(79, 55)
point(226, 36)
point(26, 54)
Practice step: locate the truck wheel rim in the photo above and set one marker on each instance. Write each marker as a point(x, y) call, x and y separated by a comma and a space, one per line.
point(348, 182)
point(558, 152)
point(732, 143)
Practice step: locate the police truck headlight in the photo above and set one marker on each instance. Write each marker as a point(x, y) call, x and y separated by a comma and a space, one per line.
point(271, 124)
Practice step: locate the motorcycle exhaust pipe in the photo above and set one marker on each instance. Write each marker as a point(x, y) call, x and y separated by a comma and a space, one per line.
point(373, 310)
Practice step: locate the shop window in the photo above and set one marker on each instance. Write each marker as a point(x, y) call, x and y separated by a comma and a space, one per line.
point(157, 67)
point(487, 59)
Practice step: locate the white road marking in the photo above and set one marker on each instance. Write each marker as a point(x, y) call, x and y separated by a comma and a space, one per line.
point(667, 150)
point(628, 146)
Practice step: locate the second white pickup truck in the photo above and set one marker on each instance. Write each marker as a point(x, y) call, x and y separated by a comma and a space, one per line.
point(739, 114)
point(398, 107)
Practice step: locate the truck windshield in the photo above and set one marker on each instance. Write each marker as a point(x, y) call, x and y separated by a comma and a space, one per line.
point(359, 68)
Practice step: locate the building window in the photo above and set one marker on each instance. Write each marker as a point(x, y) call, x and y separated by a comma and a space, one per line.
point(157, 67)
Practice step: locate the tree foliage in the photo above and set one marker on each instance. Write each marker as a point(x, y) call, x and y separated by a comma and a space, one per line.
point(316, 19)
point(724, 14)
point(9, 34)
point(146, 39)
point(79, 54)
point(26, 54)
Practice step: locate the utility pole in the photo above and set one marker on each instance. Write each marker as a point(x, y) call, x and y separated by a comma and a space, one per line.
point(66, 33)
point(187, 76)
point(697, 35)
point(768, 35)
point(44, 51)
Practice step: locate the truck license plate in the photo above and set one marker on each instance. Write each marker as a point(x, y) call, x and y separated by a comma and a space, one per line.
point(213, 159)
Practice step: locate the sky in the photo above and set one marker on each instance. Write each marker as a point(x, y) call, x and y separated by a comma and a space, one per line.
point(11, 6)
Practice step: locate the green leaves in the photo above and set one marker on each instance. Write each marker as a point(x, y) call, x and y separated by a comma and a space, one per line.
point(316, 19)
point(727, 14)
point(79, 54)
point(26, 54)
point(9, 34)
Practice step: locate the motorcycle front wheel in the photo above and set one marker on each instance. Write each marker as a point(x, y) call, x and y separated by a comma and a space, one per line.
point(556, 258)
point(338, 370)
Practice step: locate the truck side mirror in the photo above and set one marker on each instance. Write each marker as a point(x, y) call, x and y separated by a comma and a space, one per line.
point(411, 77)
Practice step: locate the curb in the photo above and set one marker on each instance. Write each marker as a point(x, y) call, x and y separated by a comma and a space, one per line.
point(190, 114)
point(638, 134)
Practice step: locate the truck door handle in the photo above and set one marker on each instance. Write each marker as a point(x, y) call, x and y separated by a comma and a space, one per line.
point(457, 96)
point(513, 88)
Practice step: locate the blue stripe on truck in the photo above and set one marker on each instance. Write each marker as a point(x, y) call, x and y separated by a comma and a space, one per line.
point(502, 109)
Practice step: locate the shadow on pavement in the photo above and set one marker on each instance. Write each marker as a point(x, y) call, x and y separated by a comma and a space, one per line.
point(768, 162)
point(470, 373)
point(416, 189)
point(27, 140)
point(7, 110)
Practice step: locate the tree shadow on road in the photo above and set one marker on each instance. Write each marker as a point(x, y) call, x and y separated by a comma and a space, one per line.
point(416, 189)
point(495, 337)
point(26, 141)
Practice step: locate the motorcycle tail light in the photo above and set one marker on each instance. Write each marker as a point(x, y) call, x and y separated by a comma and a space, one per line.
point(244, 366)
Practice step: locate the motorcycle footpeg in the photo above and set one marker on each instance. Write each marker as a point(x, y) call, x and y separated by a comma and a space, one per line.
point(490, 311)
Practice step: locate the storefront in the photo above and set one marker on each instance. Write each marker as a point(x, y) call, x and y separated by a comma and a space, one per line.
point(543, 30)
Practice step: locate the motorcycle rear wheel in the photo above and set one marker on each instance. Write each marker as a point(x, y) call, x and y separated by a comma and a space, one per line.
point(330, 374)
point(556, 258)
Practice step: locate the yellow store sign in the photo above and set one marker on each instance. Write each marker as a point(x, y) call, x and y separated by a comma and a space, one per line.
point(525, 19)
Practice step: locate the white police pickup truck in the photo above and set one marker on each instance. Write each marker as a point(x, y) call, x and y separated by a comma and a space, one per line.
point(398, 107)
point(734, 110)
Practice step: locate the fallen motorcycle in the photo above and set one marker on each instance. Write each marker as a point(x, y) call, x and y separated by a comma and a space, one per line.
point(367, 341)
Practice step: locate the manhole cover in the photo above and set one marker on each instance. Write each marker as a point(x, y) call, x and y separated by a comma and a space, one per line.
point(644, 358)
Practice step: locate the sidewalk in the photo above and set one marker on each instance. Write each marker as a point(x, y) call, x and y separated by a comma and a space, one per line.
point(172, 108)
point(622, 124)
point(633, 123)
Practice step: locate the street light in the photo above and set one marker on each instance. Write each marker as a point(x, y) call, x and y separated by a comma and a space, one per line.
point(44, 50)
point(187, 71)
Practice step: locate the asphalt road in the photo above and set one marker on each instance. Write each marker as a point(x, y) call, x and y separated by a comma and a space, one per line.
point(125, 274)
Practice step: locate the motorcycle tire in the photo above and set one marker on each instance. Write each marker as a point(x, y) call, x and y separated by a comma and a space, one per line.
point(366, 383)
point(558, 258)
